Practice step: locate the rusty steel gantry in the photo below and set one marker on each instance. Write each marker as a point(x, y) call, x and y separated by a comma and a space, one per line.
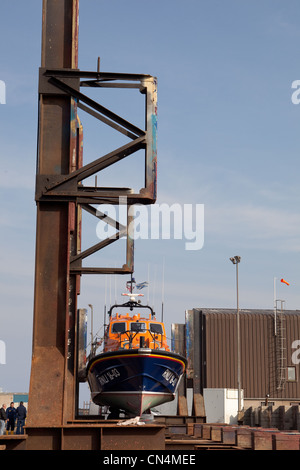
point(60, 198)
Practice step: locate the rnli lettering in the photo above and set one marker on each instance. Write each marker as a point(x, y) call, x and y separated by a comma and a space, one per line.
point(108, 376)
point(170, 377)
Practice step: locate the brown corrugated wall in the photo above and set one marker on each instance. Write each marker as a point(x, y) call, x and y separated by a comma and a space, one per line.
point(259, 352)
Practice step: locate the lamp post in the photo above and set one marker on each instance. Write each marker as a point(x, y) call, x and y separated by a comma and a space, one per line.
point(236, 260)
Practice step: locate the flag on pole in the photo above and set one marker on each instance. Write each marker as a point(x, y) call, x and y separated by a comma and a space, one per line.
point(141, 285)
point(285, 282)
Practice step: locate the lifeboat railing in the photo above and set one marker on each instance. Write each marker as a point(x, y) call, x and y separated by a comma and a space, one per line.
point(131, 305)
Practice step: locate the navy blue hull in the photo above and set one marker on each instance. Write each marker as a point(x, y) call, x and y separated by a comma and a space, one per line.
point(136, 379)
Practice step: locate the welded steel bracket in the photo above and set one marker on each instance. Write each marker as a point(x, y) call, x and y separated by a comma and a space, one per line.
point(70, 187)
point(121, 231)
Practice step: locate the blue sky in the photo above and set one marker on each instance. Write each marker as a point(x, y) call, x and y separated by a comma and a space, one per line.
point(228, 138)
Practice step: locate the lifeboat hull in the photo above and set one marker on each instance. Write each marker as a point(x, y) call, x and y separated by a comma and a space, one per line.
point(135, 380)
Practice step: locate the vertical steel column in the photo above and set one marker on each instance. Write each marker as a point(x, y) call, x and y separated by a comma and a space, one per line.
point(178, 346)
point(52, 382)
point(193, 328)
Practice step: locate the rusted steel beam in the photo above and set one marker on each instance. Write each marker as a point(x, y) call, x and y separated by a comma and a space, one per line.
point(49, 182)
point(97, 437)
point(286, 441)
point(149, 437)
point(244, 437)
point(99, 196)
point(98, 107)
point(13, 442)
point(110, 123)
point(60, 34)
point(52, 381)
point(229, 435)
point(96, 76)
point(262, 440)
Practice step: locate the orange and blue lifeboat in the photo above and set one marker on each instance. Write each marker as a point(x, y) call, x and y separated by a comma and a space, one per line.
point(136, 370)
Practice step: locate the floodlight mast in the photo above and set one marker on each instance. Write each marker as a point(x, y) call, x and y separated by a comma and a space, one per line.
point(236, 260)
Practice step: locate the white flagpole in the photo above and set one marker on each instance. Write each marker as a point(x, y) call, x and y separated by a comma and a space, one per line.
point(275, 308)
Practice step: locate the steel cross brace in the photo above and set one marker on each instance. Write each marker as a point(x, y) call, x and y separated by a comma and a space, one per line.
point(122, 231)
point(68, 187)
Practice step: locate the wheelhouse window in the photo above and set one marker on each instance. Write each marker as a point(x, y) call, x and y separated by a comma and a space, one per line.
point(137, 326)
point(118, 327)
point(156, 328)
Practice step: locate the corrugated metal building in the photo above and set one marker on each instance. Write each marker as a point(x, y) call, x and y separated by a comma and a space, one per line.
point(269, 352)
